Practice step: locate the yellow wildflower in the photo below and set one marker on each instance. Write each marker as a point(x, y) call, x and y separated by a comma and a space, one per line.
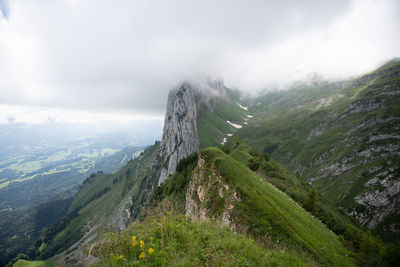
point(120, 257)
point(151, 251)
point(134, 242)
point(141, 244)
point(142, 255)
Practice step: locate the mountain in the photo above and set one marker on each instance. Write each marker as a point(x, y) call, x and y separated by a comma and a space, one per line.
point(342, 137)
point(113, 200)
point(196, 117)
point(181, 193)
point(220, 187)
point(214, 187)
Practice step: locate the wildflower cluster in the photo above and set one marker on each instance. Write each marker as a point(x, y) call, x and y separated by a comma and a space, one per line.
point(134, 242)
point(118, 258)
point(142, 247)
point(133, 252)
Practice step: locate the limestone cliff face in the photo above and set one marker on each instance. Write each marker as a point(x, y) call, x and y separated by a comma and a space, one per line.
point(180, 137)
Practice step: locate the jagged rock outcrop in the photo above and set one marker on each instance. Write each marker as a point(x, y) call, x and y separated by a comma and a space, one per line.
point(180, 137)
point(207, 185)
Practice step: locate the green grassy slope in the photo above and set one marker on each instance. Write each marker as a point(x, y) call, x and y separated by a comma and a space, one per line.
point(260, 209)
point(178, 241)
point(287, 182)
point(104, 200)
point(339, 136)
point(25, 263)
point(212, 125)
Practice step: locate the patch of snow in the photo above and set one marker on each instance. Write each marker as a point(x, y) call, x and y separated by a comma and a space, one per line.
point(237, 126)
point(229, 134)
point(259, 103)
point(323, 102)
point(246, 123)
point(249, 116)
point(243, 107)
point(223, 141)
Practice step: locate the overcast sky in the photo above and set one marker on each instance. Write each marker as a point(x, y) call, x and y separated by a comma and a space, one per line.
point(65, 58)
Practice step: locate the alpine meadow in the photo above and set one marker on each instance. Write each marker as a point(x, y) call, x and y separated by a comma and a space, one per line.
point(187, 133)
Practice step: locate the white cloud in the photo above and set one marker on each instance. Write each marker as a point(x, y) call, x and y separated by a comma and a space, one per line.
point(104, 56)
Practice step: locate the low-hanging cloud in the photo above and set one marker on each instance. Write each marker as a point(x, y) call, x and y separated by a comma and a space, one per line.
point(124, 56)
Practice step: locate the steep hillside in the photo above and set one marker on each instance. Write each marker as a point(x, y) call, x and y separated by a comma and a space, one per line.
point(27, 208)
point(342, 137)
point(218, 122)
point(104, 202)
point(215, 186)
point(297, 189)
point(238, 188)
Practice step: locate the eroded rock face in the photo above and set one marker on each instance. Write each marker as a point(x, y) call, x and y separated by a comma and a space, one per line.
point(205, 187)
point(180, 138)
point(381, 199)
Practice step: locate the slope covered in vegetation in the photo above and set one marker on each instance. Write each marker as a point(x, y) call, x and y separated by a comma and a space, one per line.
point(178, 241)
point(213, 124)
point(343, 137)
point(216, 187)
point(104, 202)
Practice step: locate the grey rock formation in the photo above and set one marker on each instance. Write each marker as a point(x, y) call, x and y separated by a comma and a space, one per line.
point(180, 138)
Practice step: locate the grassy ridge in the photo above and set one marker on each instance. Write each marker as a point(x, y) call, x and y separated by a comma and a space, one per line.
point(178, 241)
point(287, 182)
point(265, 210)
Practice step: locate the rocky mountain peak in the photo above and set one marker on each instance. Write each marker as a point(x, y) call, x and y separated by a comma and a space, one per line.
point(180, 137)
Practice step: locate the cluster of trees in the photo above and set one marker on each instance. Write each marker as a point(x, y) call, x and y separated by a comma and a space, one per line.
point(183, 163)
point(176, 186)
point(258, 160)
point(370, 250)
point(91, 177)
point(34, 251)
point(19, 228)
